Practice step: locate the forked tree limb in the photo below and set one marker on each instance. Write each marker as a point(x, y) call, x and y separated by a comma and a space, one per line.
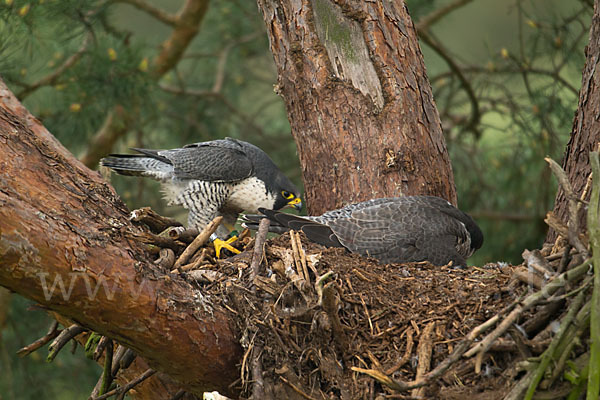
point(61, 223)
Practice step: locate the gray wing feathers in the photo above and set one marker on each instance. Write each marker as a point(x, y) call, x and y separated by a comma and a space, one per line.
point(223, 160)
point(209, 163)
point(412, 229)
point(137, 165)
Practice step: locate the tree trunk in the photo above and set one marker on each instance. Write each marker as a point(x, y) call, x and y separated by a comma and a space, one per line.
point(359, 102)
point(585, 134)
point(61, 223)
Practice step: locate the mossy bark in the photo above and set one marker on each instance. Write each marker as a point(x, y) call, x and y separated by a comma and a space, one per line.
point(360, 105)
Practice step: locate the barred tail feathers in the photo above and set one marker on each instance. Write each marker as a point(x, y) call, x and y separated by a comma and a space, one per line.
point(136, 165)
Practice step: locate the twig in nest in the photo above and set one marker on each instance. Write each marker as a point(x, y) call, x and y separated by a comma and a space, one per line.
point(295, 388)
point(258, 384)
point(259, 248)
point(127, 359)
point(166, 258)
point(528, 277)
point(555, 223)
point(362, 300)
point(548, 355)
point(102, 343)
point(130, 385)
point(565, 258)
point(537, 262)
point(299, 255)
point(199, 241)
point(117, 357)
point(156, 240)
point(193, 265)
point(320, 284)
point(244, 367)
point(572, 199)
point(407, 352)
point(155, 221)
point(424, 351)
point(530, 301)
point(330, 306)
point(178, 395)
point(53, 332)
point(185, 235)
point(62, 339)
point(107, 376)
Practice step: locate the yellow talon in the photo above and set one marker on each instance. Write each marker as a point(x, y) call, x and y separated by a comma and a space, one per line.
point(220, 244)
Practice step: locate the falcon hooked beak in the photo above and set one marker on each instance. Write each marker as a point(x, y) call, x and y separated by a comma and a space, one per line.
point(295, 202)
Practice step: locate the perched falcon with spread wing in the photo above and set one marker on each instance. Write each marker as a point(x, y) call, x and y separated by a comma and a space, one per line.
point(219, 177)
point(396, 229)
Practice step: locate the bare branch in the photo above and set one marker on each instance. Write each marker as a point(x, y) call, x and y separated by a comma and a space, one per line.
point(431, 18)
point(130, 385)
point(442, 52)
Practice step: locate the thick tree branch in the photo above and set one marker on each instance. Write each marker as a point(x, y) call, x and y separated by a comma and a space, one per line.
point(185, 29)
point(60, 223)
point(115, 125)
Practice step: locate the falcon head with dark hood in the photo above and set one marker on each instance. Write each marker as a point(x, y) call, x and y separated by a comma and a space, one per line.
point(220, 177)
point(396, 229)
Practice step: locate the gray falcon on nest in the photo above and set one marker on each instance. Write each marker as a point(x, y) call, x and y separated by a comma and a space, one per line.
point(219, 177)
point(396, 229)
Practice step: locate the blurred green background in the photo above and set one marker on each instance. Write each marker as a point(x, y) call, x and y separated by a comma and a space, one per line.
point(505, 75)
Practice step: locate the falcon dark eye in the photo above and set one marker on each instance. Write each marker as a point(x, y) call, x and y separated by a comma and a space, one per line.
point(287, 195)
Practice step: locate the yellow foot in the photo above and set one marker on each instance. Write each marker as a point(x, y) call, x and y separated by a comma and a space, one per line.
point(225, 244)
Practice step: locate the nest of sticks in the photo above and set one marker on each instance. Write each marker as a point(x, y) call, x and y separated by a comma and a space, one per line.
point(320, 323)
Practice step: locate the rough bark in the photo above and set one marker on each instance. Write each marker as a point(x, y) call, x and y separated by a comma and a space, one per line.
point(352, 76)
point(61, 221)
point(585, 134)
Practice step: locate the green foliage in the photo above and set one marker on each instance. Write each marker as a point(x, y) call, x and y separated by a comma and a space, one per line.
point(420, 8)
point(70, 376)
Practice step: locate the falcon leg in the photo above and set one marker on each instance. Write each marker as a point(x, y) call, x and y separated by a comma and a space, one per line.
point(221, 244)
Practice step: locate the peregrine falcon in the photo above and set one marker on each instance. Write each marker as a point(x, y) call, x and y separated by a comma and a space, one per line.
point(219, 177)
point(396, 229)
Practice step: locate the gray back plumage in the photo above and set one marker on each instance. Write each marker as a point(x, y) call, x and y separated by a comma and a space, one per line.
point(411, 228)
point(222, 160)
